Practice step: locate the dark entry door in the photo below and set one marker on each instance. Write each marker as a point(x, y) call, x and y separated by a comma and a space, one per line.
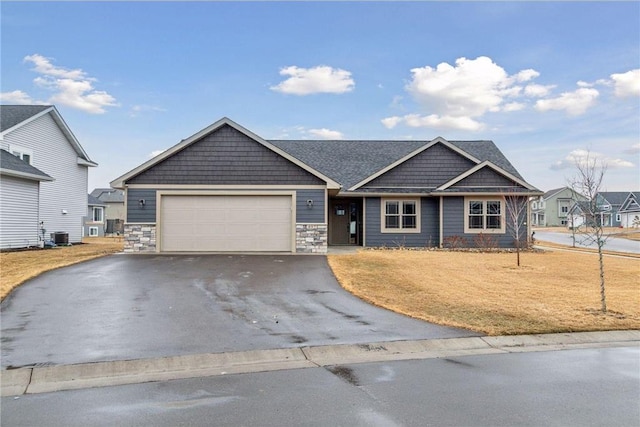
point(344, 221)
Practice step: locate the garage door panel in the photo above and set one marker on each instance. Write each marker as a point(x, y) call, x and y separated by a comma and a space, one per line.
point(226, 223)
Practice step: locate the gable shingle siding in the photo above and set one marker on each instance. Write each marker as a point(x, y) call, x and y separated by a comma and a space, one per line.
point(431, 168)
point(226, 157)
point(485, 177)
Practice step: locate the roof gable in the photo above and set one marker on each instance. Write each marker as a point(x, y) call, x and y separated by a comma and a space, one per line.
point(16, 116)
point(631, 204)
point(11, 165)
point(614, 198)
point(486, 176)
point(220, 152)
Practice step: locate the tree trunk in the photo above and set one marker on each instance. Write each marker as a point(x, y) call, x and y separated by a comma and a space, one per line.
point(603, 299)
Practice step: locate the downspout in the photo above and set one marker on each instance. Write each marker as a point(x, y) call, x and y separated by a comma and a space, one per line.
point(441, 224)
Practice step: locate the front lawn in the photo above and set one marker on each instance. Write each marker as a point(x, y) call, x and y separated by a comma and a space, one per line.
point(486, 292)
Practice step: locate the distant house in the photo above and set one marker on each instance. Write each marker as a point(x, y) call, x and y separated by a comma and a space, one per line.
point(19, 200)
point(611, 203)
point(630, 211)
point(39, 136)
point(94, 222)
point(552, 208)
point(226, 189)
point(114, 208)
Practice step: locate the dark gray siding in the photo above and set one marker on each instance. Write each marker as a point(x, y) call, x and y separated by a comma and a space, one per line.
point(485, 177)
point(429, 230)
point(453, 224)
point(315, 215)
point(226, 157)
point(431, 168)
point(137, 213)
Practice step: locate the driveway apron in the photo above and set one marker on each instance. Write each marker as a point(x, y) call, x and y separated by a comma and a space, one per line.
point(127, 307)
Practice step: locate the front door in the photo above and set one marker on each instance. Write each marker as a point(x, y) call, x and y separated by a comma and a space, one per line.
point(345, 221)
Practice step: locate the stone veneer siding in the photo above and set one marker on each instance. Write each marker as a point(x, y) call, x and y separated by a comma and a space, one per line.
point(141, 238)
point(311, 238)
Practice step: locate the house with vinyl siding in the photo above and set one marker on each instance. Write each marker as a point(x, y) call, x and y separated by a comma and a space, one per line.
point(226, 189)
point(39, 136)
point(19, 201)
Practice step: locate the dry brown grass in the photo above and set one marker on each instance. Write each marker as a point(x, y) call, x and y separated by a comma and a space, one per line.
point(488, 293)
point(20, 266)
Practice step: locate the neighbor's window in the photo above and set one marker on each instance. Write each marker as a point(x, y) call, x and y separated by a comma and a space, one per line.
point(97, 214)
point(93, 231)
point(400, 216)
point(22, 153)
point(484, 216)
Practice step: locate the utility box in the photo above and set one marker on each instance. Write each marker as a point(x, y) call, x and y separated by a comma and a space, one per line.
point(60, 238)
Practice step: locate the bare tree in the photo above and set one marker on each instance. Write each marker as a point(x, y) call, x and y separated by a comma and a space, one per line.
point(588, 181)
point(516, 216)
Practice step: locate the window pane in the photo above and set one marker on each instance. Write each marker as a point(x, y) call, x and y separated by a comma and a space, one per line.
point(409, 208)
point(475, 222)
point(493, 222)
point(392, 208)
point(97, 214)
point(408, 222)
point(475, 208)
point(493, 208)
point(26, 158)
point(392, 222)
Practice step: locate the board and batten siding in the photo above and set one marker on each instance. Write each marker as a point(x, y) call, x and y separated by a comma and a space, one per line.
point(226, 157)
point(315, 214)
point(453, 224)
point(147, 214)
point(19, 227)
point(54, 155)
point(429, 230)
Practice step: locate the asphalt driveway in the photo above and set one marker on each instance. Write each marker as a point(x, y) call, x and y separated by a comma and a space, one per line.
point(128, 307)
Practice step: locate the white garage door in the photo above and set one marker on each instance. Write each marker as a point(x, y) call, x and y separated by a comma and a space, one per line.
point(226, 223)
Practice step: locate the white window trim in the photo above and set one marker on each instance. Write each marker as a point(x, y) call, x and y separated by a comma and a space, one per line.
point(19, 152)
point(618, 217)
point(484, 200)
point(93, 214)
point(383, 213)
point(92, 230)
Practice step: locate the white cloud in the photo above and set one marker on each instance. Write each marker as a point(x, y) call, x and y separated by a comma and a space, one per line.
point(137, 110)
point(73, 88)
point(537, 91)
point(634, 149)
point(434, 121)
point(580, 157)
point(16, 97)
point(627, 84)
point(320, 79)
point(574, 103)
point(326, 133)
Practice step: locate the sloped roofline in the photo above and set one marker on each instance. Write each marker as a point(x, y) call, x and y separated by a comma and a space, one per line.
point(119, 182)
point(632, 196)
point(438, 140)
point(29, 172)
point(84, 157)
point(482, 165)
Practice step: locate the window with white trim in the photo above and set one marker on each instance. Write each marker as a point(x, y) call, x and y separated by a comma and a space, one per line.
point(97, 214)
point(400, 216)
point(618, 217)
point(93, 231)
point(21, 153)
point(484, 215)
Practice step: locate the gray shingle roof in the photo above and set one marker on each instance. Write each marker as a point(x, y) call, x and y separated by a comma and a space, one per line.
point(12, 165)
point(92, 201)
point(614, 197)
point(108, 195)
point(11, 115)
point(351, 161)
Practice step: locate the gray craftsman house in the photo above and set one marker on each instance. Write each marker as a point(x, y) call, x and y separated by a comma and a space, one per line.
point(225, 189)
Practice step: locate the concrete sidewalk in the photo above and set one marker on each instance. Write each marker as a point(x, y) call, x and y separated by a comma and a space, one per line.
point(67, 377)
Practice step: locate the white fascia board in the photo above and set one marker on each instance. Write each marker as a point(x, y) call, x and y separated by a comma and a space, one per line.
point(119, 182)
point(438, 140)
point(25, 175)
point(85, 162)
point(482, 165)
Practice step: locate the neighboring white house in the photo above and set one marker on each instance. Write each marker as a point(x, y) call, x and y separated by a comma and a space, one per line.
point(19, 196)
point(38, 135)
point(630, 211)
point(552, 208)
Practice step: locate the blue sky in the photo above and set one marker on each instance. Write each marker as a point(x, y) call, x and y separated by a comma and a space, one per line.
point(545, 81)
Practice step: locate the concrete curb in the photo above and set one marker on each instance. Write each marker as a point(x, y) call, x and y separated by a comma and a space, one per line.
point(68, 377)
